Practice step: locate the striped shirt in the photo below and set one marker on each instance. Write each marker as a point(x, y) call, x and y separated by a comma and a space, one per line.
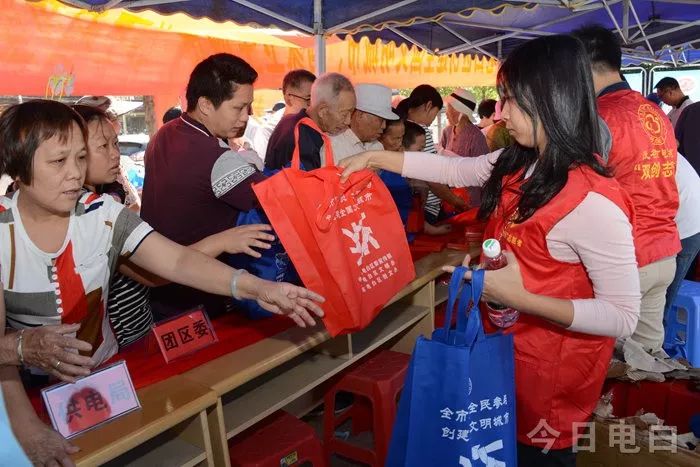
point(71, 285)
point(129, 302)
point(129, 309)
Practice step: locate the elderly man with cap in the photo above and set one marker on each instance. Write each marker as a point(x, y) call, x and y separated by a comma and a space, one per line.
point(462, 137)
point(367, 123)
point(101, 102)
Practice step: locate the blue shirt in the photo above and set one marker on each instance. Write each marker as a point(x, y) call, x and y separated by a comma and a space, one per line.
point(11, 452)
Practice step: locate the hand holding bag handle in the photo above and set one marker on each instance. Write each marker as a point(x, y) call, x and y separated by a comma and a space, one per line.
point(457, 283)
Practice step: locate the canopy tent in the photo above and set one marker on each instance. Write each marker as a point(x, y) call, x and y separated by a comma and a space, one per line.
point(59, 49)
point(44, 53)
point(652, 30)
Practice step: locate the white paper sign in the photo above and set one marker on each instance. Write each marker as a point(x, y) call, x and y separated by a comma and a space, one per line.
point(104, 395)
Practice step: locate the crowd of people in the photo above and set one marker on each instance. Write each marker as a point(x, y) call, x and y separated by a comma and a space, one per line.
point(568, 148)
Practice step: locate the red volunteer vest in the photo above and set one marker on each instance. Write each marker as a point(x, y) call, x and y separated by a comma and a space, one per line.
point(643, 160)
point(558, 373)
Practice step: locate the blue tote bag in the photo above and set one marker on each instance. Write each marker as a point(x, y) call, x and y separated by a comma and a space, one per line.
point(273, 265)
point(458, 403)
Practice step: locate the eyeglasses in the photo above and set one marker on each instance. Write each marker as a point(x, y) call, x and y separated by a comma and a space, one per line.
point(305, 99)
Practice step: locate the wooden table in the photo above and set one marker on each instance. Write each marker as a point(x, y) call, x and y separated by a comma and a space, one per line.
point(170, 429)
point(188, 419)
point(292, 369)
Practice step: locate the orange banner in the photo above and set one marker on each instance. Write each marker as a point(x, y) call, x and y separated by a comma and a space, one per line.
point(404, 67)
point(44, 52)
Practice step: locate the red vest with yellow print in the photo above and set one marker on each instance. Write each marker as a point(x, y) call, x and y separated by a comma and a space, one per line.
point(558, 373)
point(643, 160)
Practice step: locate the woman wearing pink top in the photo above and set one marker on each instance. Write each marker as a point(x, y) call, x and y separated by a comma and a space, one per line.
point(462, 136)
point(546, 199)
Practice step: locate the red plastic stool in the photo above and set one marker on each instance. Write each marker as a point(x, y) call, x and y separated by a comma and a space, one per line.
point(278, 441)
point(379, 379)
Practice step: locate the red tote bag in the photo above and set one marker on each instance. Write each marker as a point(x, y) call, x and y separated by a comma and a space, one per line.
point(346, 241)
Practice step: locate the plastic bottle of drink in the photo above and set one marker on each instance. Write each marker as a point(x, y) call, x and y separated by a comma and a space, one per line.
point(501, 316)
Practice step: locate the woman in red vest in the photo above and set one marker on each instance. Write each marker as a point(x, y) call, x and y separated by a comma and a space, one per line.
point(566, 225)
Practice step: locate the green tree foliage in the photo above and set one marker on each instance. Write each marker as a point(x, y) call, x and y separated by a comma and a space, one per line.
point(480, 92)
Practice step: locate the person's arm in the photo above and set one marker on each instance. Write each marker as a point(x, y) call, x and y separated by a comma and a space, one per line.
point(133, 200)
point(135, 240)
point(232, 179)
point(42, 445)
point(431, 229)
point(452, 171)
point(505, 286)
point(609, 261)
point(186, 266)
point(238, 240)
point(444, 193)
point(43, 346)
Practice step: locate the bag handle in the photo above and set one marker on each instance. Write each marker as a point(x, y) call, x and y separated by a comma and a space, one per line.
point(458, 336)
point(474, 328)
point(296, 157)
point(456, 283)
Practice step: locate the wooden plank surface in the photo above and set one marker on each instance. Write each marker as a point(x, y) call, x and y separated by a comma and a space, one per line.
point(163, 405)
point(430, 267)
point(232, 370)
point(251, 403)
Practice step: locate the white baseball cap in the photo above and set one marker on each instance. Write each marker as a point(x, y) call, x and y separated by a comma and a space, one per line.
point(95, 101)
point(463, 102)
point(375, 99)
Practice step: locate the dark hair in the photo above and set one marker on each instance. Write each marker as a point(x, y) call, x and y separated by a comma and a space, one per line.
point(295, 78)
point(667, 83)
point(419, 96)
point(90, 113)
point(390, 123)
point(217, 78)
point(486, 108)
point(412, 131)
point(603, 47)
point(171, 114)
point(24, 127)
point(550, 80)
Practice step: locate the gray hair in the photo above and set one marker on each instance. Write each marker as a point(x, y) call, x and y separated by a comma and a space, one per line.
point(328, 87)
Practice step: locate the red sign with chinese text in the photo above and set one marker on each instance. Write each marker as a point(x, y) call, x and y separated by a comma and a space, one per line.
point(184, 334)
